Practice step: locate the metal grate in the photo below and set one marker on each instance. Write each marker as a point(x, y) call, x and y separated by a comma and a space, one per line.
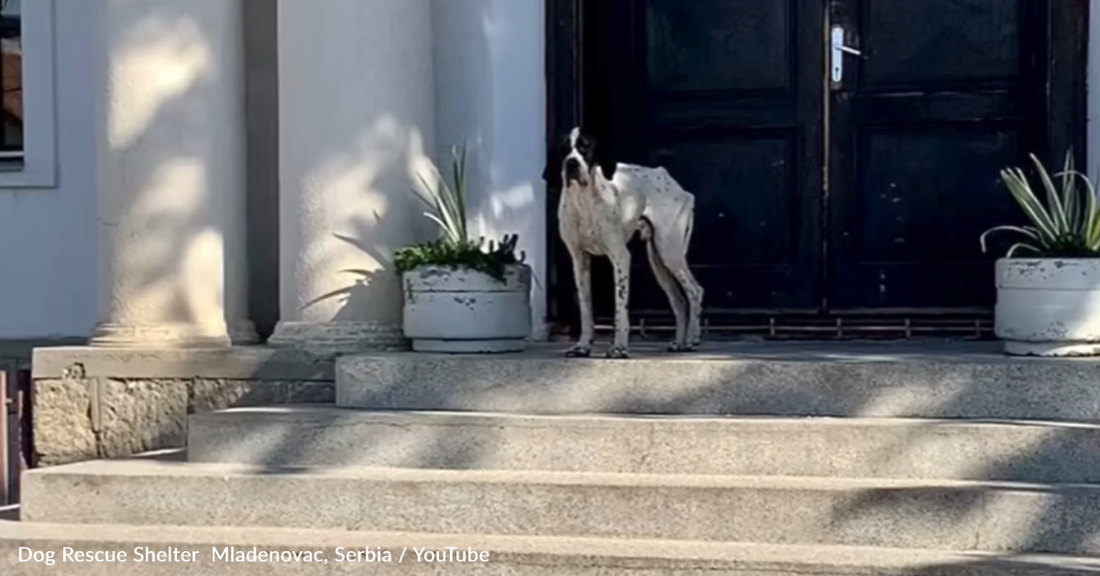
point(822, 328)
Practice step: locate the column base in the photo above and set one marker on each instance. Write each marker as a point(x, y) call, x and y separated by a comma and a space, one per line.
point(338, 338)
point(243, 333)
point(168, 335)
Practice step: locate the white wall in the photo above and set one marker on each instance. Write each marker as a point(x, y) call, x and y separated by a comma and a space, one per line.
point(490, 83)
point(489, 77)
point(47, 236)
point(491, 91)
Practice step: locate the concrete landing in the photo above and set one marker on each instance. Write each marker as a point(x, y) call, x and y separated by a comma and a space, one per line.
point(915, 379)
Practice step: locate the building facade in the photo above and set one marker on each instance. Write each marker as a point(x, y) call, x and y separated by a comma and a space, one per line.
point(207, 172)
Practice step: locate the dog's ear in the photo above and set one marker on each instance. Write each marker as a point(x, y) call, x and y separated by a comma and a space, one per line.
point(551, 174)
point(609, 167)
point(604, 157)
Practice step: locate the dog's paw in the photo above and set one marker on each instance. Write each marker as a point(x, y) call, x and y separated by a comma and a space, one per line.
point(680, 347)
point(579, 351)
point(618, 353)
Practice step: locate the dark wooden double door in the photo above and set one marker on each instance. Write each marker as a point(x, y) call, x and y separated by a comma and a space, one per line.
point(821, 192)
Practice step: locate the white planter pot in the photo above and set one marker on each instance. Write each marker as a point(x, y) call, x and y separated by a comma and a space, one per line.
point(1049, 307)
point(464, 311)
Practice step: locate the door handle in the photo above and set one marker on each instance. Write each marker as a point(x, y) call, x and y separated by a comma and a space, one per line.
point(839, 49)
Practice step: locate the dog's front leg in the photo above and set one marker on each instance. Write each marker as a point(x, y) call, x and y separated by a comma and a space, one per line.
point(582, 274)
point(620, 260)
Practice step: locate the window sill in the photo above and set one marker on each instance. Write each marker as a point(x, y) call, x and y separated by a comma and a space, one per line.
point(21, 178)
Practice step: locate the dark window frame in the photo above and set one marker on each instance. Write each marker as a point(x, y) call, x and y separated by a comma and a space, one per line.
point(11, 156)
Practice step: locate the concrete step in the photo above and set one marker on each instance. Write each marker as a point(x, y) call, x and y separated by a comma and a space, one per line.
point(870, 380)
point(747, 446)
point(950, 515)
point(519, 556)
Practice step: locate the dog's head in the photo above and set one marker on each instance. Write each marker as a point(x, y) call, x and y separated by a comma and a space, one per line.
point(573, 161)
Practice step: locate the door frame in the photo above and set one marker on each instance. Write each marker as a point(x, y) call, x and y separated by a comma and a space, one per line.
point(566, 53)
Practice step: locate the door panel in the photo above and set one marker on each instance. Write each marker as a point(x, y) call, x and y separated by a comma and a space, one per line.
point(700, 45)
point(939, 41)
point(727, 95)
point(945, 95)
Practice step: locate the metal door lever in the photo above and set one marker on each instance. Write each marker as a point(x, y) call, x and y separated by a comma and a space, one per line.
point(839, 49)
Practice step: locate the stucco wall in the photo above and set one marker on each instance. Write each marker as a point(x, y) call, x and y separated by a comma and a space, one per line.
point(490, 56)
point(489, 76)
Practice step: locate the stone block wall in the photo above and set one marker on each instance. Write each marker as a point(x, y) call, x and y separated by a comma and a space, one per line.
point(100, 403)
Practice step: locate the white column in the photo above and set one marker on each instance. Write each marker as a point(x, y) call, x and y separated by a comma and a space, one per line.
point(490, 74)
point(356, 117)
point(171, 174)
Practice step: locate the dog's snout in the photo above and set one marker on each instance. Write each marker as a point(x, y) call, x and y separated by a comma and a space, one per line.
point(572, 169)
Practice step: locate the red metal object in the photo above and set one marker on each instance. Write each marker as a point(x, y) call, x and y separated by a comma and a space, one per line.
point(7, 410)
point(16, 432)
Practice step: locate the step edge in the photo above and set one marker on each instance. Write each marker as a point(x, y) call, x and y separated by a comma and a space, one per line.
point(294, 414)
point(140, 468)
point(580, 547)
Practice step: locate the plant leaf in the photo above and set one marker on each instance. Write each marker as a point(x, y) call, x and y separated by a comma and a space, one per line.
point(1020, 189)
point(1088, 229)
point(1029, 232)
point(1069, 194)
point(460, 191)
point(444, 213)
point(1057, 210)
point(1012, 249)
point(1090, 225)
point(442, 225)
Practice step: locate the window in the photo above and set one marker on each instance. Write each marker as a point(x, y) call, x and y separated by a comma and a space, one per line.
point(11, 83)
point(28, 152)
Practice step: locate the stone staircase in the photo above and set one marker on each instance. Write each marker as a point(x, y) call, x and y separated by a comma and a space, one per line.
point(902, 463)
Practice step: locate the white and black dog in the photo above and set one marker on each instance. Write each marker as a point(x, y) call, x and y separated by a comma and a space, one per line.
point(598, 216)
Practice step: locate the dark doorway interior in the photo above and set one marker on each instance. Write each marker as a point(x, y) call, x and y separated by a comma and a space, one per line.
point(819, 193)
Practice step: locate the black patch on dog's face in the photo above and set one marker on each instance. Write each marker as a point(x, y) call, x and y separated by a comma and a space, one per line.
point(563, 160)
point(586, 148)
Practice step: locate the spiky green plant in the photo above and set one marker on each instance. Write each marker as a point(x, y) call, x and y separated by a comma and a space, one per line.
point(447, 204)
point(447, 208)
point(1068, 226)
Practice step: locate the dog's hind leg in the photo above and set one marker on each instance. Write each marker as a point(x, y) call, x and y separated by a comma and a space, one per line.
point(672, 244)
point(671, 288)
